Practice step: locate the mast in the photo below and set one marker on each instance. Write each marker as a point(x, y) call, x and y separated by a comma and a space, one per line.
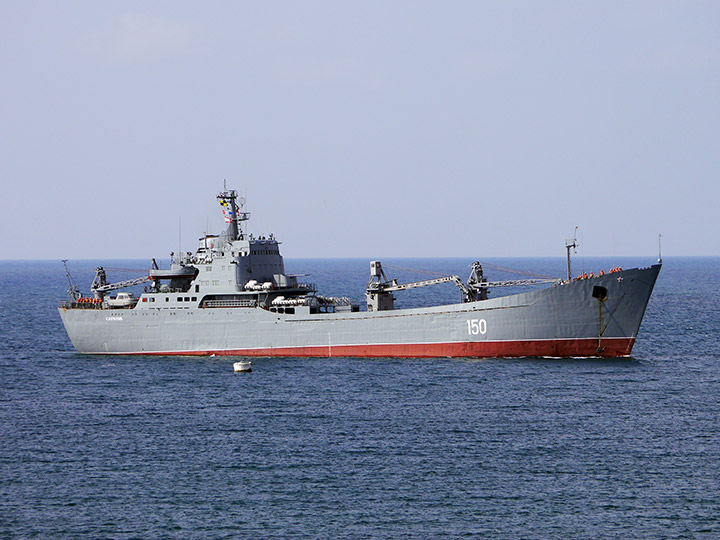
point(571, 244)
point(234, 214)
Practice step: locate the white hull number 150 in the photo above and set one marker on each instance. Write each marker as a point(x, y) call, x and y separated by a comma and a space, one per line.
point(476, 326)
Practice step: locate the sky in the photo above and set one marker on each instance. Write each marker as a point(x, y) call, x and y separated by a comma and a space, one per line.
point(361, 129)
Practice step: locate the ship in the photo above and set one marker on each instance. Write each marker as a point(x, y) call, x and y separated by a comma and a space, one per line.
point(232, 296)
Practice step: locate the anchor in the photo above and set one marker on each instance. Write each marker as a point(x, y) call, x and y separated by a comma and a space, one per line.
point(601, 294)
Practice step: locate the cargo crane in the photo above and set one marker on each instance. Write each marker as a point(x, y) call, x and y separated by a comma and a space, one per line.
point(100, 286)
point(379, 288)
point(73, 291)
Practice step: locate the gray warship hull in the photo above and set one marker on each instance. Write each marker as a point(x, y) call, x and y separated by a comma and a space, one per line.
point(598, 316)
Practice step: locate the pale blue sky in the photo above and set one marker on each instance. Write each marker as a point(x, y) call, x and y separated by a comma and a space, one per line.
point(361, 129)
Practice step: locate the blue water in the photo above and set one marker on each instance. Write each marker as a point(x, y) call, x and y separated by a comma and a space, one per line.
point(127, 447)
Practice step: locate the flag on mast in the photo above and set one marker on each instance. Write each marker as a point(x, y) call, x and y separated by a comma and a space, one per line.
point(227, 210)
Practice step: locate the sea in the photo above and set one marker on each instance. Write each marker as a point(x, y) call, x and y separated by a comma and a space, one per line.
point(95, 447)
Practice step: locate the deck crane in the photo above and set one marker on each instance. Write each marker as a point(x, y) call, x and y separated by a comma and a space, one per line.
point(100, 286)
point(379, 288)
point(73, 291)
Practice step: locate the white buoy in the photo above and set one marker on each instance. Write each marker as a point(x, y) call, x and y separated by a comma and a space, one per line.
point(243, 365)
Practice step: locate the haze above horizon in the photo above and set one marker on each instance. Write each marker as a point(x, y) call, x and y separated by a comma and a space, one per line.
point(403, 129)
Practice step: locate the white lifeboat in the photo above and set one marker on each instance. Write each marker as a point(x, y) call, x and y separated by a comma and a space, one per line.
point(122, 300)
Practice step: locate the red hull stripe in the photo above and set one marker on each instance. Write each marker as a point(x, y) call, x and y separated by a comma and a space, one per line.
point(612, 347)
